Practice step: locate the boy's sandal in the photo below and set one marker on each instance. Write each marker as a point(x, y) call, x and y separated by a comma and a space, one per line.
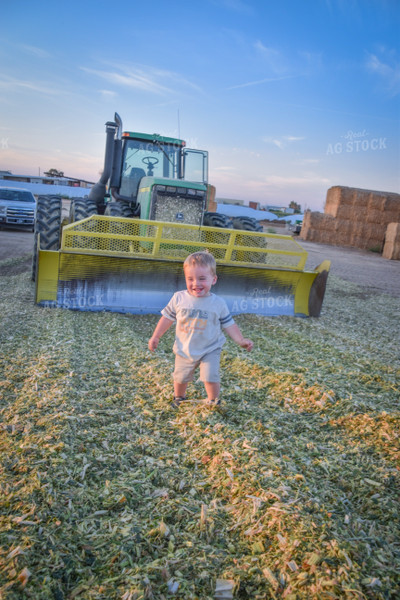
point(214, 402)
point(177, 401)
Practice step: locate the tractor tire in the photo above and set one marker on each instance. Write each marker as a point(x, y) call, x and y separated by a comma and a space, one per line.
point(48, 226)
point(119, 209)
point(247, 224)
point(212, 219)
point(251, 224)
point(81, 208)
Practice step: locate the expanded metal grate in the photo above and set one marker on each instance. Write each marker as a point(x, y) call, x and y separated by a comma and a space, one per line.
point(117, 236)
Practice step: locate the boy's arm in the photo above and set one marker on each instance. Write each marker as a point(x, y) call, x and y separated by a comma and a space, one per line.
point(162, 326)
point(236, 335)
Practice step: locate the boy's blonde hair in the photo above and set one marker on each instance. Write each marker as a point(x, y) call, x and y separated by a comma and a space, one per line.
point(202, 259)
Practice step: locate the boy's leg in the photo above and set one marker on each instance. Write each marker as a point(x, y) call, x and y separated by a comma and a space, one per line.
point(180, 389)
point(183, 374)
point(209, 374)
point(212, 389)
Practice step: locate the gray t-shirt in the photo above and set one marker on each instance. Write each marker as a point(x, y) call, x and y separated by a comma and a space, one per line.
point(198, 323)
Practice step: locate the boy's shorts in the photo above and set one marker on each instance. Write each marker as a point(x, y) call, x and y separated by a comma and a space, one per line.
point(209, 368)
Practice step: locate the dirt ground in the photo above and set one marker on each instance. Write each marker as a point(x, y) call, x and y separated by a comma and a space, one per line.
point(362, 267)
point(365, 268)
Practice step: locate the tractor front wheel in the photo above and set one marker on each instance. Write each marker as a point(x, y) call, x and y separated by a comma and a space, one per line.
point(81, 208)
point(212, 219)
point(247, 224)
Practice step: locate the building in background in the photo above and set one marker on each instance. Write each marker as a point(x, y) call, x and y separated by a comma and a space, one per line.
point(68, 187)
point(65, 181)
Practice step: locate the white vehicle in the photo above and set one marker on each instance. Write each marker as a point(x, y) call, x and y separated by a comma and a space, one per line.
point(17, 208)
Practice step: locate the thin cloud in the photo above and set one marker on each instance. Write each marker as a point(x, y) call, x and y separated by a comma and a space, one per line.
point(261, 81)
point(108, 94)
point(292, 138)
point(308, 161)
point(272, 57)
point(138, 80)
point(10, 84)
point(35, 51)
point(303, 61)
point(280, 67)
point(148, 79)
point(282, 141)
point(387, 69)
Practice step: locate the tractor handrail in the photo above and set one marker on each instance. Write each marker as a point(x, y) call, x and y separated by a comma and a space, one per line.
point(118, 236)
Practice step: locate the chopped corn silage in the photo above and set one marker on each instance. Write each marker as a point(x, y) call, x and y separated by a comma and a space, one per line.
point(291, 490)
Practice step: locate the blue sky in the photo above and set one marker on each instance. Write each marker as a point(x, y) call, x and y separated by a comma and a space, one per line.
point(289, 97)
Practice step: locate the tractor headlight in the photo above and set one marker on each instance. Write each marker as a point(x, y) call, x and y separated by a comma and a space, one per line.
point(3, 210)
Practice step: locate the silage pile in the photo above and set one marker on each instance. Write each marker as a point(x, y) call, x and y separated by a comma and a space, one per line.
point(291, 490)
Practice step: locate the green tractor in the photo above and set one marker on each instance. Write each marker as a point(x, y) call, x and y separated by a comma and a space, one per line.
point(144, 176)
point(122, 247)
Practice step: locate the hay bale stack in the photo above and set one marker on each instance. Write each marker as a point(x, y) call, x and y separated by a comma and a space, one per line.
point(391, 249)
point(318, 227)
point(353, 217)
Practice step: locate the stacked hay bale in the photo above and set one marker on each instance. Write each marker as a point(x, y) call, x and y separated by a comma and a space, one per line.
point(353, 217)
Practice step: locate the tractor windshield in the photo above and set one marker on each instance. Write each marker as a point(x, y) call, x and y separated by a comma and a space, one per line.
point(151, 158)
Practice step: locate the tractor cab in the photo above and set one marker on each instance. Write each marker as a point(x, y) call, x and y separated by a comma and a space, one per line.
point(138, 161)
point(145, 155)
point(153, 173)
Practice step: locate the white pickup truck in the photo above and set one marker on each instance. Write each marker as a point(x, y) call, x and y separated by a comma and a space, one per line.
point(17, 208)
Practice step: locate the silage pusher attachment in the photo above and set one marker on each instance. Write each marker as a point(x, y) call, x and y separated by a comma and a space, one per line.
point(134, 266)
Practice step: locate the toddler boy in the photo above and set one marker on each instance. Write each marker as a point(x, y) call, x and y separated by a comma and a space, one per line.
point(199, 316)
